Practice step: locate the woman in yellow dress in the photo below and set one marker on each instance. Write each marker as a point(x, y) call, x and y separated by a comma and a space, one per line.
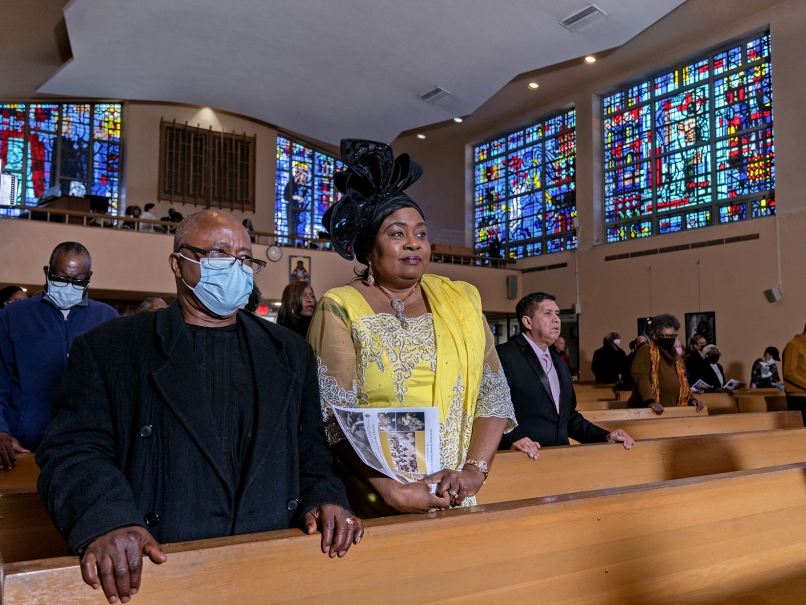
point(399, 337)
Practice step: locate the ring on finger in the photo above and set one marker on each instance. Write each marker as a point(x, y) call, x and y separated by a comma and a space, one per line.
point(350, 521)
point(453, 494)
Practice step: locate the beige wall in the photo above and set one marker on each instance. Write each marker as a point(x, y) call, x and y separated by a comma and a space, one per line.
point(614, 294)
point(137, 263)
point(141, 156)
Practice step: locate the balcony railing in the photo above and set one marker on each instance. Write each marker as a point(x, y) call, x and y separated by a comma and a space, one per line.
point(268, 238)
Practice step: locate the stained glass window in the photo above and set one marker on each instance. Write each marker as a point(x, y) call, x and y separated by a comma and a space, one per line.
point(304, 189)
point(694, 137)
point(76, 145)
point(524, 189)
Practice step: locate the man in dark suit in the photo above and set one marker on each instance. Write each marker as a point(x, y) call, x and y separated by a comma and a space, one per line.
point(540, 384)
point(193, 422)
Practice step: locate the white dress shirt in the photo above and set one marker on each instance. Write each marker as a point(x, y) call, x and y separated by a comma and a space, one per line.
point(551, 372)
point(719, 375)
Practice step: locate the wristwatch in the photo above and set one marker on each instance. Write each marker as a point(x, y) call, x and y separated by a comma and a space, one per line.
point(479, 464)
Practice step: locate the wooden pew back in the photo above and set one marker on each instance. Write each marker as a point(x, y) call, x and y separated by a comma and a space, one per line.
point(562, 470)
point(640, 414)
point(718, 403)
point(705, 425)
point(691, 540)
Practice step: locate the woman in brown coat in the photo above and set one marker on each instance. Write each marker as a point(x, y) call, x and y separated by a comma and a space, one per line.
point(658, 371)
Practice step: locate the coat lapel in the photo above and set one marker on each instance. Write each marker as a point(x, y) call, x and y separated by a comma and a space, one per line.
point(531, 357)
point(274, 381)
point(180, 382)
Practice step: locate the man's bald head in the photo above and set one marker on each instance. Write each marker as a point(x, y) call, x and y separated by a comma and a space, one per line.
point(192, 228)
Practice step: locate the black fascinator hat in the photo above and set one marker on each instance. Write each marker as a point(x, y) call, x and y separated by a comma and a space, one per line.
point(372, 188)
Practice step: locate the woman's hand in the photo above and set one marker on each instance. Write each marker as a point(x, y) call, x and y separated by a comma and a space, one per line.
point(457, 485)
point(657, 408)
point(413, 497)
point(699, 404)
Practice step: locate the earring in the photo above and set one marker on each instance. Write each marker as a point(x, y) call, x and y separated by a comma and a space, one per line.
point(370, 277)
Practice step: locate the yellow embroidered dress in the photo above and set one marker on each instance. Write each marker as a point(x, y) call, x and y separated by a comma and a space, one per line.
point(445, 358)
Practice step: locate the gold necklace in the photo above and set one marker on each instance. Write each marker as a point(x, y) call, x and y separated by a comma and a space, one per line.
point(398, 304)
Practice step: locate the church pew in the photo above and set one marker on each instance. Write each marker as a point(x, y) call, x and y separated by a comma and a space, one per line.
point(718, 403)
point(641, 414)
point(26, 531)
point(734, 537)
point(705, 425)
point(602, 466)
point(601, 405)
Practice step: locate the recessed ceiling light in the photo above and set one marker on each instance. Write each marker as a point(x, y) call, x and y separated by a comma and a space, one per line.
point(458, 120)
point(533, 85)
point(420, 136)
point(590, 59)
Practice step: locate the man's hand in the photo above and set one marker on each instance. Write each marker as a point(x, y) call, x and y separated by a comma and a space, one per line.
point(619, 436)
point(9, 448)
point(657, 408)
point(527, 446)
point(339, 528)
point(698, 403)
point(118, 557)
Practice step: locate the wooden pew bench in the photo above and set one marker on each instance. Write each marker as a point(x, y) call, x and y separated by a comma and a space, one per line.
point(582, 406)
point(640, 414)
point(735, 537)
point(562, 470)
point(658, 428)
point(26, 531)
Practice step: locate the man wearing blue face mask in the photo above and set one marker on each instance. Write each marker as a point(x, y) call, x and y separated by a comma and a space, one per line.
point(35, 339)
point(197, 421)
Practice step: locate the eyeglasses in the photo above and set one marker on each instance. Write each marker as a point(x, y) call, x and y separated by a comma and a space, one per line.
point(667, 336)
point(218, 259)
point(62, 282)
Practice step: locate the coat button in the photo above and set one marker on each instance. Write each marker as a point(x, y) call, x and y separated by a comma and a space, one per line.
point(292, 504)
point(152, 519)
point(146, 430)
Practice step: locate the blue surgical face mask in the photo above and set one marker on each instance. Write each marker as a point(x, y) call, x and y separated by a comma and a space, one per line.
point(222, 289)
point(64, 296)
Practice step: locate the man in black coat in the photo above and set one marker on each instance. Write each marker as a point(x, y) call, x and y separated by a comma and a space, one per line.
point(196, 421)
point(609, 364)
point(540, 384)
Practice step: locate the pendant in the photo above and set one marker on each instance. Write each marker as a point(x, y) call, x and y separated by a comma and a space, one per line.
point(398, 306)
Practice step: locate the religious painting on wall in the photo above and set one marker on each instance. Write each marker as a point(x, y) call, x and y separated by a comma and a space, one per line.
point(703, 324)
point(300, 268)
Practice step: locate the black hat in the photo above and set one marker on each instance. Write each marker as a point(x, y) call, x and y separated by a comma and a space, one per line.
point(372, 185)
point(773, 353)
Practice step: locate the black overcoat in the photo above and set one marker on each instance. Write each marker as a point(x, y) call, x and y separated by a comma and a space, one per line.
point(133, 440)
point(534, 405)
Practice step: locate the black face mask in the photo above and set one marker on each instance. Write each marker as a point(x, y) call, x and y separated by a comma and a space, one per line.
point(667, 344)
point(712, 358)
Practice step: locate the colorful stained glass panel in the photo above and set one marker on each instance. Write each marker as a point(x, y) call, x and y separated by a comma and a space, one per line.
point(75, 141)
point(743, 100)
point(628, 137)
point(670, 224)
point(725, 61)
point(628, 192)
point(560, 158)
point(745, 164)
point(762, 207)
point(698, 218)
point(682, 120)
point(758, 48)
point(683, 179)
point(106, 122)
point(524, 168)
point(732, 212)
point(12, 137)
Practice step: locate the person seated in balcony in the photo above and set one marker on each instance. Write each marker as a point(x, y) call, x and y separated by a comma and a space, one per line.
point(148, 213)
point(35, 339)
point(197, 421)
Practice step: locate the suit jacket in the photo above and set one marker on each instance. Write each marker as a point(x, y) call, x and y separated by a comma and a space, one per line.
point(534, 405)
point(699, 369)
point(133, 441)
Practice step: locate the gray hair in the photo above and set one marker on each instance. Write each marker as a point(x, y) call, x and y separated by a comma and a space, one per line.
point(708, 348)
point(185, 226)
point(147, 303)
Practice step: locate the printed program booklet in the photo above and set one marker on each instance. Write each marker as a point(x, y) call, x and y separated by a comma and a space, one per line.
point(401, 443)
